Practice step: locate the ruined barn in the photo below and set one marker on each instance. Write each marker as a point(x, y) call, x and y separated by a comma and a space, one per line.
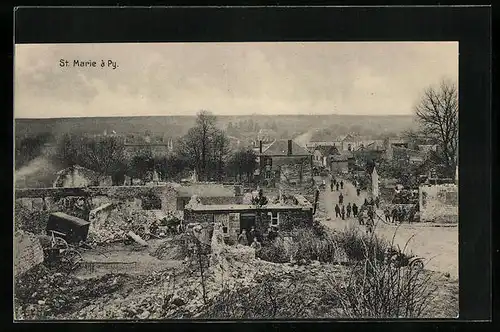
point(236, 217)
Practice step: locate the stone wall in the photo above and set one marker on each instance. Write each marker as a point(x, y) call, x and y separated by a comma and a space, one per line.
point(288, 219)
point(295, 218)
point(439, 203)
point(28, 252)
point(42, 198)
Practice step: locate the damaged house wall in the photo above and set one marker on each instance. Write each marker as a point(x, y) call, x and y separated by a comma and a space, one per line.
point(238, 216)
point(295, 171)
point(439, 203)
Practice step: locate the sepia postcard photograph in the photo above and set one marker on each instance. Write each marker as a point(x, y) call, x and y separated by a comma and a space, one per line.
point(236, 181)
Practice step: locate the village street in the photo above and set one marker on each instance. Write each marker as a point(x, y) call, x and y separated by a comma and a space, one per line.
point(438, 245)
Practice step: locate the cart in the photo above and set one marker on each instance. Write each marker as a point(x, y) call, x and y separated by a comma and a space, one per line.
point(59, 253)
point(64, 233)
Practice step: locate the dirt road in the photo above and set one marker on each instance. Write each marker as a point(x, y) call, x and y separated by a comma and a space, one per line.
point(438, 245)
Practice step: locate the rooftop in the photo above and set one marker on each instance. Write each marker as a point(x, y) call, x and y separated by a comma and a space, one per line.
point(280, 148)
point(76, 220)
point(327, 150)
point(244, 207)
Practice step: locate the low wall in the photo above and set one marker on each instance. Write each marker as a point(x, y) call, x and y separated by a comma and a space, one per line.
point(42, 198)
point(28, 252)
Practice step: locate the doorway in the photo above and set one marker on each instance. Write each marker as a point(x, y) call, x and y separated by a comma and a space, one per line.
point(247, 221)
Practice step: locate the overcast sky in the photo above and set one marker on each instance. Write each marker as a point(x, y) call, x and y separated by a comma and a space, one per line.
point(228, 78)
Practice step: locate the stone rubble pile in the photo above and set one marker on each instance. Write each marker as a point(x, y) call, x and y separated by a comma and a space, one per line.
point(172, 294)
point(43, 294)
point(120, 221)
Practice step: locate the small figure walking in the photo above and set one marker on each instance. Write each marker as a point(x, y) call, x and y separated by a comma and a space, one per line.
point(341, 184)
point(361, 217)
point(348, 210)
point(337, 211)
point(331, 185)
point(370, 221)
point(394, 214)
point(252, 234)
point(341, 199)
point(343, 212)
point(354, 210)
point(387, 214)
point(358, 191)
point(337, 185)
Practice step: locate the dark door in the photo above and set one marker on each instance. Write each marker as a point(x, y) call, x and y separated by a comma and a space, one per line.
point(247, 221)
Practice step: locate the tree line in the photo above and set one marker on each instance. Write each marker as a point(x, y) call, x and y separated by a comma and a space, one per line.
point(205, 149)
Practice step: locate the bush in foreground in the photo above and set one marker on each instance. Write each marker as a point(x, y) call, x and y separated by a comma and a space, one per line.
point(377, 289)
point(317, 243)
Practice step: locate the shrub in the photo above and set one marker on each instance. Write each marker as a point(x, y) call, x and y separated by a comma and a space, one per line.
point(316, 243)
point(358, 245)
point(375, 289)
point(274, 252)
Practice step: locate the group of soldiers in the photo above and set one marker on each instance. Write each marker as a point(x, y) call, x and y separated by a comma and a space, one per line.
point(399, 214)
point(252, 237)
point(341, 210)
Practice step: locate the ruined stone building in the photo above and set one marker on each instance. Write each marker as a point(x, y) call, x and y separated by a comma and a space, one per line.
point(284, 161)
point(236, 217)
point(342, 163)
point(323, 155)
point(438, 203)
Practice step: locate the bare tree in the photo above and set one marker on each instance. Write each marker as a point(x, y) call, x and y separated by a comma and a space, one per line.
point(205, 146)
point(205, 123)
point(437, 113)
point(220, 150)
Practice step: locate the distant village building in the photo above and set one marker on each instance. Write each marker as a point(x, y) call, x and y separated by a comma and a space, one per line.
point(408, 156)
point(266, 136)
point(342, 163)
point(323, 153)
point(348, 142)
point(285, 161)
point(77, 176)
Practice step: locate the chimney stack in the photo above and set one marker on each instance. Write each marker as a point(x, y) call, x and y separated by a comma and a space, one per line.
point(289, 147)
point(260, 146)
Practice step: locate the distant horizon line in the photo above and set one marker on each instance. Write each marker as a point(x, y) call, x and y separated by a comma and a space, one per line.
point(218, 115)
